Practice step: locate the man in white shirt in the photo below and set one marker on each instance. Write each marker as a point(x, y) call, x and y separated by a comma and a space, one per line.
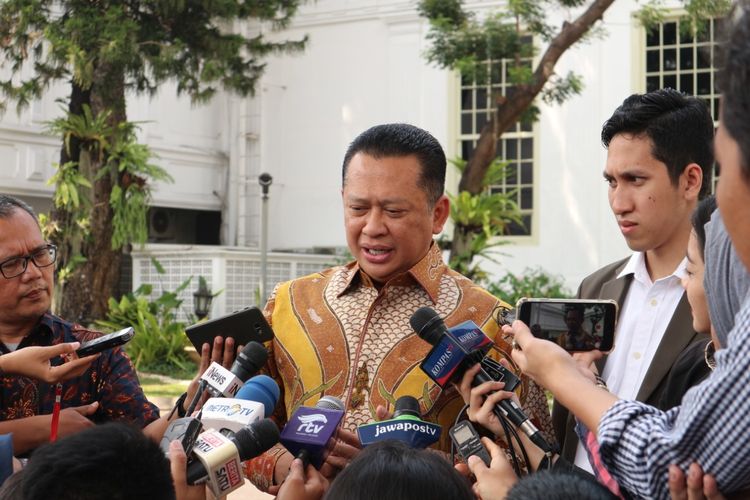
point(659, 156)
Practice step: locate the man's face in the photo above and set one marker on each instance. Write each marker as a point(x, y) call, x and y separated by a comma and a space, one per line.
point(25, 298)
point(733, 194)
point(389, 223)
point(573, 320)
point(651, 211)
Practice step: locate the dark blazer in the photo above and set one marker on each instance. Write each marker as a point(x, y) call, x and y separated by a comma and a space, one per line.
point(604, 284)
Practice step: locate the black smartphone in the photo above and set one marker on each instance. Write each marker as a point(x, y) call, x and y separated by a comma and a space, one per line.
point(243, 326)
point(574, 324)
point(186, 430)
point(106, 342)
point(468, 443)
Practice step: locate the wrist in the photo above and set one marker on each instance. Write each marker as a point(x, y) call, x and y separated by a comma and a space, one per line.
point(281, 470)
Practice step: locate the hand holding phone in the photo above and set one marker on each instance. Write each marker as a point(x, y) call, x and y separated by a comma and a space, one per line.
point(575, 325)
point(105, 342)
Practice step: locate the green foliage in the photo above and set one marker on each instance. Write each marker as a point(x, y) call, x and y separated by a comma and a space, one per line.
point(149, 41)
point(482, 219)
point(531, 283)
point(159, 339)
point(125, 158)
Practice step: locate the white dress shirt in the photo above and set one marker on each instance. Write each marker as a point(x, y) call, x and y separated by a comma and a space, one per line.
point(645, 314)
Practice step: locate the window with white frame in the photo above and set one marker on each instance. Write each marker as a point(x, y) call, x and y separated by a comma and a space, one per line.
point(515, 146)
point(677, 59)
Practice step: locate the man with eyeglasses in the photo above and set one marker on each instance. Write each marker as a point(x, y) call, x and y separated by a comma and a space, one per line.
point(108, 390)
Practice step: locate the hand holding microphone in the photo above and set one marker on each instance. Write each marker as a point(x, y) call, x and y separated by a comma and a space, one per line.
point(455, 352)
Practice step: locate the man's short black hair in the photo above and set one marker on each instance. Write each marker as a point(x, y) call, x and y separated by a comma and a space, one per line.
point(734, 81)
point(109, 462)
point(9, 204)
point(391, 469)
point(558, 485)
point(401, 139)
point(679, 126)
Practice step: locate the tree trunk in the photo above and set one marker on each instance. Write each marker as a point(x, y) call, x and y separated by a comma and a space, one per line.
point(91, 284)
point(508, 111)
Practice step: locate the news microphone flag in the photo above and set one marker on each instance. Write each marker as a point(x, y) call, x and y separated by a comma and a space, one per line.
point(254, 401)
point(446, 360)
point(406, 426)
point(220, 381)
point(217, 458)
point(310, 429)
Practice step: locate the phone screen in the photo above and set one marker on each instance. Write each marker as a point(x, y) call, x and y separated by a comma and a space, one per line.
point(574, 325)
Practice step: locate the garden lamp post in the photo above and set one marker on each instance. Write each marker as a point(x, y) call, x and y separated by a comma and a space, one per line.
point(202, 300)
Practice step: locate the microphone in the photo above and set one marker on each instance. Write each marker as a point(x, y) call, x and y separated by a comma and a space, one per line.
point(406, 426)
point(221, 382)
point(217, 457)
point(458, 349)
point(307, 433)
point(254, 401)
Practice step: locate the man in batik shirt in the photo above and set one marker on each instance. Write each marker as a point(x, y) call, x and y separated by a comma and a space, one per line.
point(345, 332)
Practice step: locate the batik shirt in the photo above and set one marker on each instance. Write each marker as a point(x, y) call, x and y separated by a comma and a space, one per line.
point(111, 380)
point(336, 334)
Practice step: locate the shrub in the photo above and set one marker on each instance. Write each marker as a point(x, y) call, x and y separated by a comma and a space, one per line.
point(159, 342)
point(531, 283)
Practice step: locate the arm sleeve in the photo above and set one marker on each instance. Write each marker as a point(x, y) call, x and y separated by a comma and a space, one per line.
point(639, 442)
point(119, 391)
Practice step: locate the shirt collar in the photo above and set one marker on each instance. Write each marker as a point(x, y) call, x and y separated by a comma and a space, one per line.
point(636, 266)
point(426, 273)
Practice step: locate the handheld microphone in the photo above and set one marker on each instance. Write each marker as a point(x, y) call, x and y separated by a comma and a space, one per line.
point(254, 401)
point(221, 382)
point(406, 426)
point(458, 349)
point(217, 458)
point(307, 433)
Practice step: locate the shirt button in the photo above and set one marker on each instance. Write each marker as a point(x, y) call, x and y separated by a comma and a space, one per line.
point(637, 355)
point(653, 302)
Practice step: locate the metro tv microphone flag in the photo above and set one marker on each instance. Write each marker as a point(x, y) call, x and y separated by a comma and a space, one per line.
point(307, 433)
point(405, 426)
point(255, 401)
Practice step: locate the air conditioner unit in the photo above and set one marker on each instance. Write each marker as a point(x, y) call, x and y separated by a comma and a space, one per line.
point(161, 224)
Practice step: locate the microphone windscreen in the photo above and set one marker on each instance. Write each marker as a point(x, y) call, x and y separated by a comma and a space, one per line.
point(407, 405)
point(249, 360)
point(428, 324)
point(256, 438)
point(261, 389)
point(330, 403)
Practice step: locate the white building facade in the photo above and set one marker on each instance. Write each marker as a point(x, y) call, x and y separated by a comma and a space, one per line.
point(363, 66)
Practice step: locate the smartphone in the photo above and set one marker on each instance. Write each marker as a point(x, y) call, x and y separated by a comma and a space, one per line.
point(106, 342)
point(468, 443)
point(243, 326)
point(574, 324)
point(186, 430)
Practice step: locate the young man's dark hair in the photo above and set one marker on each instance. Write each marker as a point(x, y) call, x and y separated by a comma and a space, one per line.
point(107, 462)
point(9, 204)
point(391, 469)
point(679, 126)
point(401, 139)
point(556, 485)
point(734, 82)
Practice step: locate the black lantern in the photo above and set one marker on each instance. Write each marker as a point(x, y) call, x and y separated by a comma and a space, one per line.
point(202, 300)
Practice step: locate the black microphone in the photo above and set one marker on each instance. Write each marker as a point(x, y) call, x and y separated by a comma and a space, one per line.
point(221, 382)
point(217, 458)
point(453, 354)
point(310, 428)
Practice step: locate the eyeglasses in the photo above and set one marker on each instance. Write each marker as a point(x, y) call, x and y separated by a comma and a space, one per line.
point(16, 266)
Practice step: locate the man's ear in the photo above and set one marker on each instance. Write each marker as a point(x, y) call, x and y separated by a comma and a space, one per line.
point(693, 180)
point(440, 213)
